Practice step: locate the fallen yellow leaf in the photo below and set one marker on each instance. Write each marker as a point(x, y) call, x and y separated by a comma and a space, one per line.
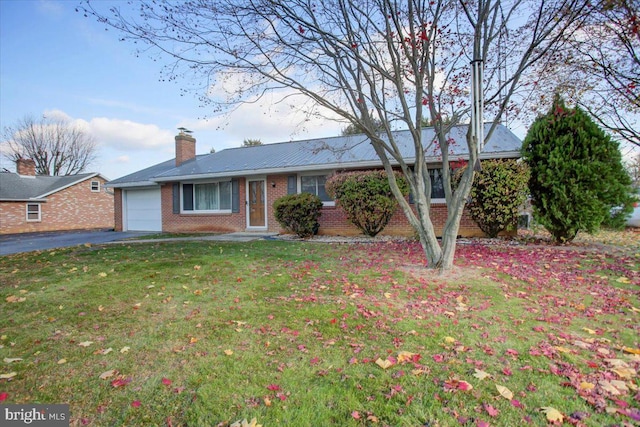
point(384, 364)
point(405, 356)
point(62, 361)
point(481, 374)
point(228, 352)
point(11, 360)
point(85, 343)
point(584, 385)
point(631, 350)
point(617, 363)
point(107, 374)
point(552, 414)
point(124, 349)
point(449, 340)
point(245, 423)
point(625, 373)
point(8, 376)
point(608, 387)
point(504, 392)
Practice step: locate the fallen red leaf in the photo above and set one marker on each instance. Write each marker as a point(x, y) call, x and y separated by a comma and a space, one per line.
point(355, 415)
point(516, 403)
point(491, 410)
point(136, 403)
point(273, 387)
point(120, 382)
point(166, 381)
point(438, 357)
point(3, 396)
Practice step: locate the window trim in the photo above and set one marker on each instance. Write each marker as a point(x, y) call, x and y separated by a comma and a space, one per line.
point(326, 174)
point(39, 212)
point(195, 211)
point(436, 199)
point(95, 188)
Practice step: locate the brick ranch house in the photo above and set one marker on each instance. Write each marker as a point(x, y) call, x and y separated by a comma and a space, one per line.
point(234, 189)
point(36, 203)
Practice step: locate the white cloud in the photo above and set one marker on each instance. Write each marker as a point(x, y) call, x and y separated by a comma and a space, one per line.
point(126, 135)
point(276, 118)
point(56, 115)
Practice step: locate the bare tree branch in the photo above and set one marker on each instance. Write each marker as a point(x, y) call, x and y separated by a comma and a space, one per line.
point(56, 146)
point(367, 61)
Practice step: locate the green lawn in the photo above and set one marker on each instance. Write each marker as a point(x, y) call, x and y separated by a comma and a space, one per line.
point(316, 334)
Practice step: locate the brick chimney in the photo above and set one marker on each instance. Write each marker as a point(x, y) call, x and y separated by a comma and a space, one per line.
point(185, 148)
point(26, 167)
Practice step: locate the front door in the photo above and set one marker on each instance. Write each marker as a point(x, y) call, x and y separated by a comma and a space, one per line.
point(256, 204)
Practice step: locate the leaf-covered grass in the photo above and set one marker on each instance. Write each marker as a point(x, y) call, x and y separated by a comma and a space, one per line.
point(315, 334)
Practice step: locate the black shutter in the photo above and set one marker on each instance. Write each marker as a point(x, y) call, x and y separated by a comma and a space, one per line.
point(187, 197)
point(235, 196)
point(176, 197)
point(292, 184)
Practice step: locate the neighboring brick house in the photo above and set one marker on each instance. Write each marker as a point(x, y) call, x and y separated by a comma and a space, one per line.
point(35, 203)
point(234, 189)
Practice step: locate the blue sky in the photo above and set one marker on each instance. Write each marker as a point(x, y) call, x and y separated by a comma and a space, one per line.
point(54, 61)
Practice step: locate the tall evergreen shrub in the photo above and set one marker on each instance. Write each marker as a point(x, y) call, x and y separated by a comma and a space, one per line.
point(577, 176)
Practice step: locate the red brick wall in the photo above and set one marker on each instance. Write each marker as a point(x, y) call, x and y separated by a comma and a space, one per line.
point(185, 148)
point(117, 209)
point(74, 208)
point(188, 223)
point(332, 221)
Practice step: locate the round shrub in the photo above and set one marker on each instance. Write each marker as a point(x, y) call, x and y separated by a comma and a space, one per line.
point(299, 213)
point(499, 190)
point(366, 198)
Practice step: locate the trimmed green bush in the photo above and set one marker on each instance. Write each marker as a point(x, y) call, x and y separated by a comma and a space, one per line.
point(299, 213)
point(577, 176)
point(366, 198)
point(497, 193)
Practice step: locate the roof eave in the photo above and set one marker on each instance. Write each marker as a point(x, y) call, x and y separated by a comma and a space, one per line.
point(131, 184)
point(32, 200)
point(92, 175)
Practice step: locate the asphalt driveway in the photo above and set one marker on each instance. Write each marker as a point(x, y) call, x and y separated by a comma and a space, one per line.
point(17, 243)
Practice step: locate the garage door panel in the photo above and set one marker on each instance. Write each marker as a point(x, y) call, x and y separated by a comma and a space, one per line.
point(143, 210)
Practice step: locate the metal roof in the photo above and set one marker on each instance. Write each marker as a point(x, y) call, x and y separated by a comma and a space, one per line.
point(14, 187)
point(340, 152)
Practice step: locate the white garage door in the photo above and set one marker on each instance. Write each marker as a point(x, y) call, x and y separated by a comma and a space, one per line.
point(143, 210)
